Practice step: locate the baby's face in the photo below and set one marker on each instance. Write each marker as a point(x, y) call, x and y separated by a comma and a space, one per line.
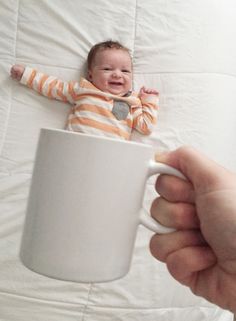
point(111, 71)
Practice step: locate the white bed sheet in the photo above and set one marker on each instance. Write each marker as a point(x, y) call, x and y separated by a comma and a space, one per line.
point(186, 50)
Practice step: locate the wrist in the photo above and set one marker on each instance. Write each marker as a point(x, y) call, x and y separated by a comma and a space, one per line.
point(26, 75)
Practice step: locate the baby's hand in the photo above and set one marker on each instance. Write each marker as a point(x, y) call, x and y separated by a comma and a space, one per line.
point(17, 71)
point(148, 91)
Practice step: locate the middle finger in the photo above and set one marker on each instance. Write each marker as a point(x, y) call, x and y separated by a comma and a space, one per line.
point(178, 215)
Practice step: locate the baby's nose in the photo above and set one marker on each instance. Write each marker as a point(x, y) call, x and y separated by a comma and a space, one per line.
point(116, 73)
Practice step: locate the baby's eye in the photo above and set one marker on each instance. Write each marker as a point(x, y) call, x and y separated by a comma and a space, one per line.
point(126, 70)
point(107, 68)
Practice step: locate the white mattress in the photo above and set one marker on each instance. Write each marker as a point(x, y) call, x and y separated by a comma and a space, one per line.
point(185, 49)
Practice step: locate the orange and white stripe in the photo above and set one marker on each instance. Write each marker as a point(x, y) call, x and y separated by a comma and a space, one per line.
point(92, 109)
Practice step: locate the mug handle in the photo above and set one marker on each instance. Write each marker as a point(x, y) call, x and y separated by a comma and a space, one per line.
point(145, 218)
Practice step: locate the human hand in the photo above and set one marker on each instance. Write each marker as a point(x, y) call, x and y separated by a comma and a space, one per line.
point(201, 254)
point(148, 91)
point(17, 72)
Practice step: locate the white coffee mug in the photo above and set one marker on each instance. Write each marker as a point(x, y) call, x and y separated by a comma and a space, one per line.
point(85, 205)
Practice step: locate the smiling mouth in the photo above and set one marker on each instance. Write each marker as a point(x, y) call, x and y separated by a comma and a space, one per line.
point(115, 83)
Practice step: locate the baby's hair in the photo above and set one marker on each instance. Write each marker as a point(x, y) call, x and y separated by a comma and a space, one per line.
point(109, 44)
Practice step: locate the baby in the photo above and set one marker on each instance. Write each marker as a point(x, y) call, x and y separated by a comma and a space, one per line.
point(102, 104)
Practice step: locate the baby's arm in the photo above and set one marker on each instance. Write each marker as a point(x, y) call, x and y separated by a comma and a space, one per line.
point(48, 86)
point(145, 116)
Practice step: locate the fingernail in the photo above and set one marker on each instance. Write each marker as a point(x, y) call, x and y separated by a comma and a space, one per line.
point(160, 157)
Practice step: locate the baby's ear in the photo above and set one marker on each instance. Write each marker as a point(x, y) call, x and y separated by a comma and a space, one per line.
point(89, 75)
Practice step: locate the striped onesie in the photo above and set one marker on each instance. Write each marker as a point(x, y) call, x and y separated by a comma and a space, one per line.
point(94, 111)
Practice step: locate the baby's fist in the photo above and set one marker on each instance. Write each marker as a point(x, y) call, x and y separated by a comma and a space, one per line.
point(17, 71)
point(148, 91)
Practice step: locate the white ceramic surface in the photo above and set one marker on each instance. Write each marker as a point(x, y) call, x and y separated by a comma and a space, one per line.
point(84, 205)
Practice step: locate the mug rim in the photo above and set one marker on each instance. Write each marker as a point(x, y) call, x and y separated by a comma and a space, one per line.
point(50, 129)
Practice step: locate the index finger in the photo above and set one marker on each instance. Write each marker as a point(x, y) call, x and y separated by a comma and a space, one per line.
point(175, 189)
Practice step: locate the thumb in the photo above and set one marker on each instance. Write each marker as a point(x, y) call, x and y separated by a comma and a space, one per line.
point(201, 171)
